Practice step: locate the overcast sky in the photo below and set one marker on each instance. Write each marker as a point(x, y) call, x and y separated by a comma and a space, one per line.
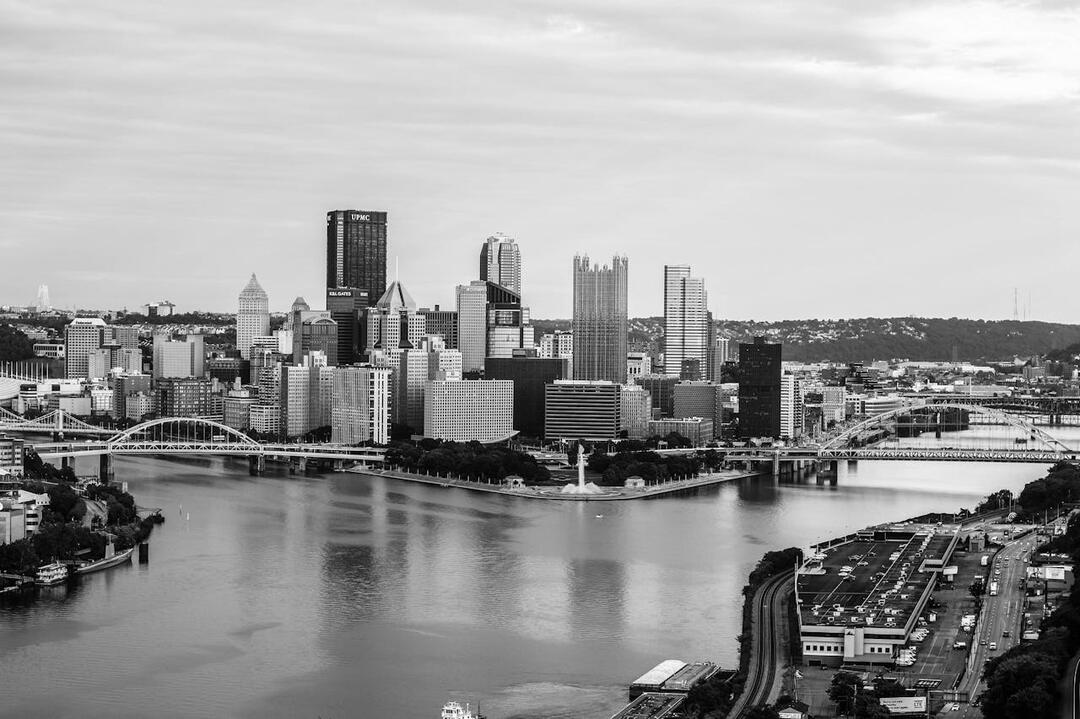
point(809, 159)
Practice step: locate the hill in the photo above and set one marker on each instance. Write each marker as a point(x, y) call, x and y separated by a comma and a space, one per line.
point(872, 338)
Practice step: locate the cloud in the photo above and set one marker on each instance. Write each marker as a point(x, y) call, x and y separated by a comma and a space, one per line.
point(215, 137)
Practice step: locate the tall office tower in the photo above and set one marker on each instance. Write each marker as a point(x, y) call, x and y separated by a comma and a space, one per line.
point(472, 324)
point(721, 353)
point(360, 411)
point(529, 375)
point(393, 323)
point(759, 389)
point(500, 262)
point(306, 396)
point(179, 358)
point(356, 251)
point(313, 331)
point(127, 336)
point(491, 323)
point(81, 337)
point(346, 307)
point(686, 323)
point(508, 322)
point(443, 323)
point(600, 320)
point(791, 406)
point(124, 388)
point(253, 317)
point(411, 374)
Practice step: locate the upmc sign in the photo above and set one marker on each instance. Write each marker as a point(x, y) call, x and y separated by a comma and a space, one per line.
point(357, 217)
point(904, 705)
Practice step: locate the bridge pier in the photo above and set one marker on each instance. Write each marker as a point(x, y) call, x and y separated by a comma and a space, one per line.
point(65, 462)
point(106, 473)
point(776, 465)
point(256, 465)
point(338, 465)
point(303, 465)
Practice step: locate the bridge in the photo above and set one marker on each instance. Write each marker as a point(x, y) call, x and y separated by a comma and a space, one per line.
point(866, 439)
point(199, 437)
point(56, 422)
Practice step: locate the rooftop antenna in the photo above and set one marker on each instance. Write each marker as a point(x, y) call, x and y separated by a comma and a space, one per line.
point(397, 269)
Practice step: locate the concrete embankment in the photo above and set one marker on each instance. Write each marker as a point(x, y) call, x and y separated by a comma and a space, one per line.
point(556, 494)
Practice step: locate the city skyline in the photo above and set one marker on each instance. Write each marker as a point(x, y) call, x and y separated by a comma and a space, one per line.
point(935, 136)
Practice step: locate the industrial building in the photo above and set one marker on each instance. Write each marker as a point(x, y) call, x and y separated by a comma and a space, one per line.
point(860, 596)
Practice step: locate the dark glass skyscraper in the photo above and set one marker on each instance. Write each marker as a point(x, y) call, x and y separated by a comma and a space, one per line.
point(356, 251)
point(346, 306)
point(759, 389)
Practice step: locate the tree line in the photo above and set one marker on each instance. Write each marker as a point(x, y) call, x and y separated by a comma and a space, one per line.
point(470, 460)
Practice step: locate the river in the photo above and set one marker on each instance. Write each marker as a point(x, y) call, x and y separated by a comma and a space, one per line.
point(346, 596)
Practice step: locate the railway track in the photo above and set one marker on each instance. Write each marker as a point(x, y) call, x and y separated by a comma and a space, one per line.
point(765, 629)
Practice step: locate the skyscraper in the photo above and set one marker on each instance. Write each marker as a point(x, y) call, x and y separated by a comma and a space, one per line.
point(253, 317)
point(472, 324)
point(356, 251)
point(313, 331)
point(759, 389)
point(500, 262)
point(600, 320)
point(346, 307)
point(686, 323)
point(81, 337)
point(393, 323)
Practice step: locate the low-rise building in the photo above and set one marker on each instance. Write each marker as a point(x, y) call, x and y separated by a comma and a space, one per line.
point(699, 430)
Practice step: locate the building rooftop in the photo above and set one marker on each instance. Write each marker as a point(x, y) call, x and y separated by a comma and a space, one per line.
point(875, 577)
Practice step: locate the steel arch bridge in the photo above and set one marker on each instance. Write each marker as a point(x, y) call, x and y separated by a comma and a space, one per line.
point(1048, 442)
point(199, 436)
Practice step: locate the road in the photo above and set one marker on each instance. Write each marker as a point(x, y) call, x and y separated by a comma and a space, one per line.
point(766, 635)
point(1001, 613)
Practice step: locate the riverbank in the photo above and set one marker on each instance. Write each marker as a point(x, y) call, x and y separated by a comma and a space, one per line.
point(555, 492)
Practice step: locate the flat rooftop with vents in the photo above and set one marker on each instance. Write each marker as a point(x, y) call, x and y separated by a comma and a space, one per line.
point(860, 596)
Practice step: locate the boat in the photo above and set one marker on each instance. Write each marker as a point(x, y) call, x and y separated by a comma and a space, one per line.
point(454, 710)
point(50, 574)
point(106, 563)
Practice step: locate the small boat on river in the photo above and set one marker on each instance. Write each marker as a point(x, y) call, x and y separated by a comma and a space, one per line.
point(106, 563)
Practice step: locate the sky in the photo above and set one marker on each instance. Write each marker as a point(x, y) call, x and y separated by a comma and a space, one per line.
point(808, 159)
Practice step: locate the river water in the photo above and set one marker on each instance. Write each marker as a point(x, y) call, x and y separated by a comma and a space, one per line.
point(346, 596)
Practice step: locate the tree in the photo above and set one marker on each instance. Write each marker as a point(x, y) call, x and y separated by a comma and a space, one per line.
point(762, 711)
point(842, 691)
point(14, 345)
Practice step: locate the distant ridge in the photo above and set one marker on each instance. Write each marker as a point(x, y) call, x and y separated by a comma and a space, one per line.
point(872, 338)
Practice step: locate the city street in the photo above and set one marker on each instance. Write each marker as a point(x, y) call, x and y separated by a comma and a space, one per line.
point(1001, 613)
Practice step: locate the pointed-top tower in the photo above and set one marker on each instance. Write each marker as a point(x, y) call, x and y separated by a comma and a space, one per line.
point(393, 322)
point(252, 317)
point(396, 298)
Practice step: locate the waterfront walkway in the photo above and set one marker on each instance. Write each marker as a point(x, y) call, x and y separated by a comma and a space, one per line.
point(555, 492)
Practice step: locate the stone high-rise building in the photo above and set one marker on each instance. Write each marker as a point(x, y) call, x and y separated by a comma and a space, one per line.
point(253, 317)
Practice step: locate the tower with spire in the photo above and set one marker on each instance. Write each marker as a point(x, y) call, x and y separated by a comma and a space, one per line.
point(252, 317)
